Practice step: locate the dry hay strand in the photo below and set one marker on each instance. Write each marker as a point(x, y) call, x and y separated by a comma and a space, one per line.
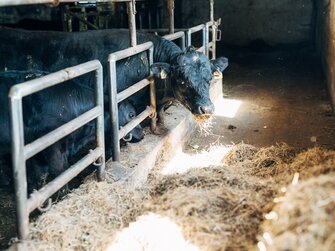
point(87, 218)
point(304, 219)
point(218, 209)
point(205, 124)
point(280, 162)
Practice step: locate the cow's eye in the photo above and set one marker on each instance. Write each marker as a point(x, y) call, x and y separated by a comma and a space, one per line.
point(182, 82)
point(132, 115)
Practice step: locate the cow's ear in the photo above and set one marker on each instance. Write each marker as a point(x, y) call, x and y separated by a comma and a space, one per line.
point(160, 70)
point(219, 64)
point(190, 48)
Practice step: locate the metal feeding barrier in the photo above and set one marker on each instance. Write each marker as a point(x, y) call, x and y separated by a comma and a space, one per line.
point(117, 133)
point(21, 152)
point(175, 36)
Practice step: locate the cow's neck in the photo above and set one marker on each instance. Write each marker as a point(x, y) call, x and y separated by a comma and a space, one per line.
point(165, 50)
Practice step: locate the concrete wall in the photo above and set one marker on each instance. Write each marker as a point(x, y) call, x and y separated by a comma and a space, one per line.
point(243, 21)
point(325, 41)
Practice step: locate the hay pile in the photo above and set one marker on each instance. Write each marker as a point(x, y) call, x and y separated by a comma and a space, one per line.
point(304, 219)
point(220, 207)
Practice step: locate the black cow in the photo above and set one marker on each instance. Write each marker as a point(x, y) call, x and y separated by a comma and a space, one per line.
point(190, 71)
point(45, 111)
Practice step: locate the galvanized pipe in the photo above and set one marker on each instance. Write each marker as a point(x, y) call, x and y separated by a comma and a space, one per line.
point(112, 89)
point(35, 85)
point(194, 29)
point(19, 155)
point(211, 10)
point(38, 198)
point(52, 137)
point(113, 108)
point(132, 22)
point(132, 124)
point(132, 89)
point(175, 36)
point(130, 51)
point(100, 125)
point(171, 16)
point(19, 167)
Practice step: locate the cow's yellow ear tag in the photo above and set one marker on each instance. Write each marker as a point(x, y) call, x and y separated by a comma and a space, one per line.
point(217, 74)
point(163, 74)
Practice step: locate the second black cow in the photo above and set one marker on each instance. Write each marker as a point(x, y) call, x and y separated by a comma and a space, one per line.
point(45, 111)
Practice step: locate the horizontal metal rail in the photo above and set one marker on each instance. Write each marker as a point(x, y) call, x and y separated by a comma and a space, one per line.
point(22, 152)
point(37, 198)
point(132, 89)
point(115, 97)
point(190, 31)
point(175, 36)
point(52, 137)
point(132, 124)
point(51, 2)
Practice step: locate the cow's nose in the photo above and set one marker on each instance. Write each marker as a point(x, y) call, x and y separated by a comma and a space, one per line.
point(208, 109)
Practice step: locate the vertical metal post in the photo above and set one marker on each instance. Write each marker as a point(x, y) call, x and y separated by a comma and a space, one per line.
point(207, 40)
point(211, 10)
point(113, 108)
point(19, 166)
point(211, 3)
point(99, 101)
point(132, 22)
point(152, 93)
point(171, 16)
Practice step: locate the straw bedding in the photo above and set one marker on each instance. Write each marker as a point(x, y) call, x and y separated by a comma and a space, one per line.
point(231, 206)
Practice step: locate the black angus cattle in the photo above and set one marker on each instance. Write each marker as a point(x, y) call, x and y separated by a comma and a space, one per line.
point(190, 71)
point(45, 111)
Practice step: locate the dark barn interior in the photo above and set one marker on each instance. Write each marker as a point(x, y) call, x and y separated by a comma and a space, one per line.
point(278, 92)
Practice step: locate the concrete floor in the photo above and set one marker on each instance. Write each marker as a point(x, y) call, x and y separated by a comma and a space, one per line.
point(272, 97)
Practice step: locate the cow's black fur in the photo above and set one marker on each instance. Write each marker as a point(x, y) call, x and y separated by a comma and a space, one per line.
point(190, 71)
point(45, 111)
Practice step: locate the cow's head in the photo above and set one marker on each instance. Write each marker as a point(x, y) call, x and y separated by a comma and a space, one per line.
point(126, 114)
point(191, 74)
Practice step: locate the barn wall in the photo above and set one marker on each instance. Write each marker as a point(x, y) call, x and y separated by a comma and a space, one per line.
point(244, 21)
point(325, 41)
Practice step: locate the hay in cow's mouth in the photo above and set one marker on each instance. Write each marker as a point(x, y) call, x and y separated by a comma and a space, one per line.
point(204, 123)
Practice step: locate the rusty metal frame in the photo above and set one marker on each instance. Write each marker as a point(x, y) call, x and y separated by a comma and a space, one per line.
point(22, 152)
point(115, 98)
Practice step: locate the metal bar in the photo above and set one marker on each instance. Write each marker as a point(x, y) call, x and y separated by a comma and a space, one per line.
point(52, 79)
point(38, 198)
point(152, 93)
point(54, 2)
point(171, 16)
point(129, 51)
point(100, 126)
point(19, 168)
point(82, 20)
point(211, 10)
point(112, 93)
point(50, 138)
point(139, 118)
point(201, 49)
point(177, 35)
point(112, 89)
point(131, 22)
point(207, 39)
point(16, 93)
point(132, 89)
point(197, 28)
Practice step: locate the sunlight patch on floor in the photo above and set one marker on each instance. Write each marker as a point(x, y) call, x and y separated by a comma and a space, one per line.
point(227, 107)
point(182, 162)
point(151, 232)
